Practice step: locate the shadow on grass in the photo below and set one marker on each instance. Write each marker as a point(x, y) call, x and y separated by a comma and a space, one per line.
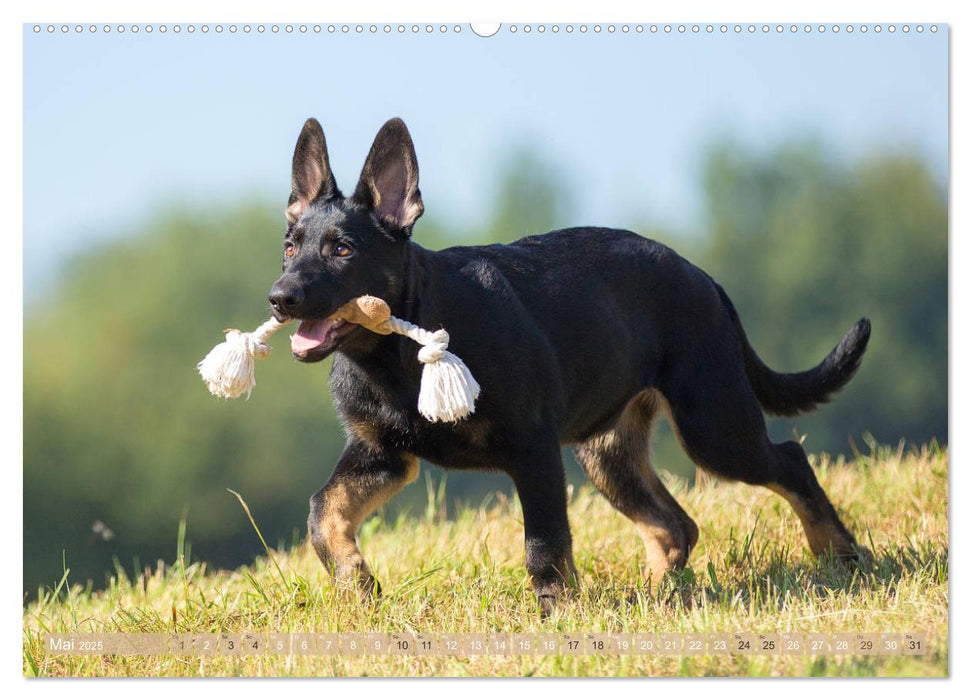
point(770, 578)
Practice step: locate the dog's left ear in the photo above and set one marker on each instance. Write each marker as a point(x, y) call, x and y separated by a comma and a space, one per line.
point(389, 180)
point(312, 177)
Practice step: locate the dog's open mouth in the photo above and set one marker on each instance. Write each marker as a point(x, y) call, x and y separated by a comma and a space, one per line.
point(315, 340)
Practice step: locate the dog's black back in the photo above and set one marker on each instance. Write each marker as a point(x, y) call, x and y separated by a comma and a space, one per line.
point(562, 328)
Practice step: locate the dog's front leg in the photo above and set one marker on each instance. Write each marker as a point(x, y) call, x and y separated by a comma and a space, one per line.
point(541, 486)
point(365, 479)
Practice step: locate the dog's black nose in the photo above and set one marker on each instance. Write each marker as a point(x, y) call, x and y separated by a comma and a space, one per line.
point(285, 297)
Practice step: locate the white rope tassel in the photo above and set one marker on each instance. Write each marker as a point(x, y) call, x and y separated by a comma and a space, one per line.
point(228, 368)
point(448, 389)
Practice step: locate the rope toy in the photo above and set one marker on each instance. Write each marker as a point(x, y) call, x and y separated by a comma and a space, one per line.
point(448, 389)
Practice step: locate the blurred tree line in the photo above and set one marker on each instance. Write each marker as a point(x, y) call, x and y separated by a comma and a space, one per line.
point(118, 427)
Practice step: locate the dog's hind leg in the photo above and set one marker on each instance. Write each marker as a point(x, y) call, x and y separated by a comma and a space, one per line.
point(363, 481)
point(618, 463)
point(797, 484)
point(720, 424)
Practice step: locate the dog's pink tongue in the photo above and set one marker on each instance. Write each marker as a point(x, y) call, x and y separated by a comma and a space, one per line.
point(309, 335)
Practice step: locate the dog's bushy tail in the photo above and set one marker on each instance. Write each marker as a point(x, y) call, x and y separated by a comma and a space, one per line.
point(791, 394)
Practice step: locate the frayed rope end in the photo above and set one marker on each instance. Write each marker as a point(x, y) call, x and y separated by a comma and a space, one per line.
point(228, 370)
point(448, 390)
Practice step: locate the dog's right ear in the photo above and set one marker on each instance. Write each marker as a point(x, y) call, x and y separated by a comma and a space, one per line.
point(389, 180)
point(312, 177)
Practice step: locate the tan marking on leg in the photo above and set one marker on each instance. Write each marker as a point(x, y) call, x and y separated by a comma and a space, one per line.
point(342, 515)
point(652, 401)
point(667, 531)
point(413, 467)
point(346, 505)
point(671, 505)
point(363, 431)
point(665, 546)
point(822, 533)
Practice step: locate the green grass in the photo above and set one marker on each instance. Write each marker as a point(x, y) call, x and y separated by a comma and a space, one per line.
point(751, 572)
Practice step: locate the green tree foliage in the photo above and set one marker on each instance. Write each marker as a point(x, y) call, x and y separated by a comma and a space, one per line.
point(119, 428)
point(805, 245)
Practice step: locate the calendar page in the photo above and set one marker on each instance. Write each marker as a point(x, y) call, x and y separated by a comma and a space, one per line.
point(436, 348)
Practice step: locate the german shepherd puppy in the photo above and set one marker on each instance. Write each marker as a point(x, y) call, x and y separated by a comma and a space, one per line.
point(578, 337)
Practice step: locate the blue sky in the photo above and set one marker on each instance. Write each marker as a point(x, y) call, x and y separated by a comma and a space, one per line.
point(117, 127)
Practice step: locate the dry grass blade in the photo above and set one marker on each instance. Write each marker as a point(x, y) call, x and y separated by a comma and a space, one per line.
point(266, 547)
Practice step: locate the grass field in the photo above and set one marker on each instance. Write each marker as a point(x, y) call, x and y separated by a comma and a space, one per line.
point(751, 572)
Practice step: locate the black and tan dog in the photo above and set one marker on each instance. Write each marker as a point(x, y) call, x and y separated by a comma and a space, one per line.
point(578, 337)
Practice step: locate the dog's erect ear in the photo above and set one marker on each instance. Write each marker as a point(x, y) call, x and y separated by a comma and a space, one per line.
point(311, 177)
point(389, 180)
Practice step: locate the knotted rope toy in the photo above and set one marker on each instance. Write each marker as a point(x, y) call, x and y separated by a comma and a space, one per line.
point(448, 389)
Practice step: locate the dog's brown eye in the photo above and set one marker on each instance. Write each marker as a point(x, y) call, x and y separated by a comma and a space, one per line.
point(288, 250)
point(341, 250)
